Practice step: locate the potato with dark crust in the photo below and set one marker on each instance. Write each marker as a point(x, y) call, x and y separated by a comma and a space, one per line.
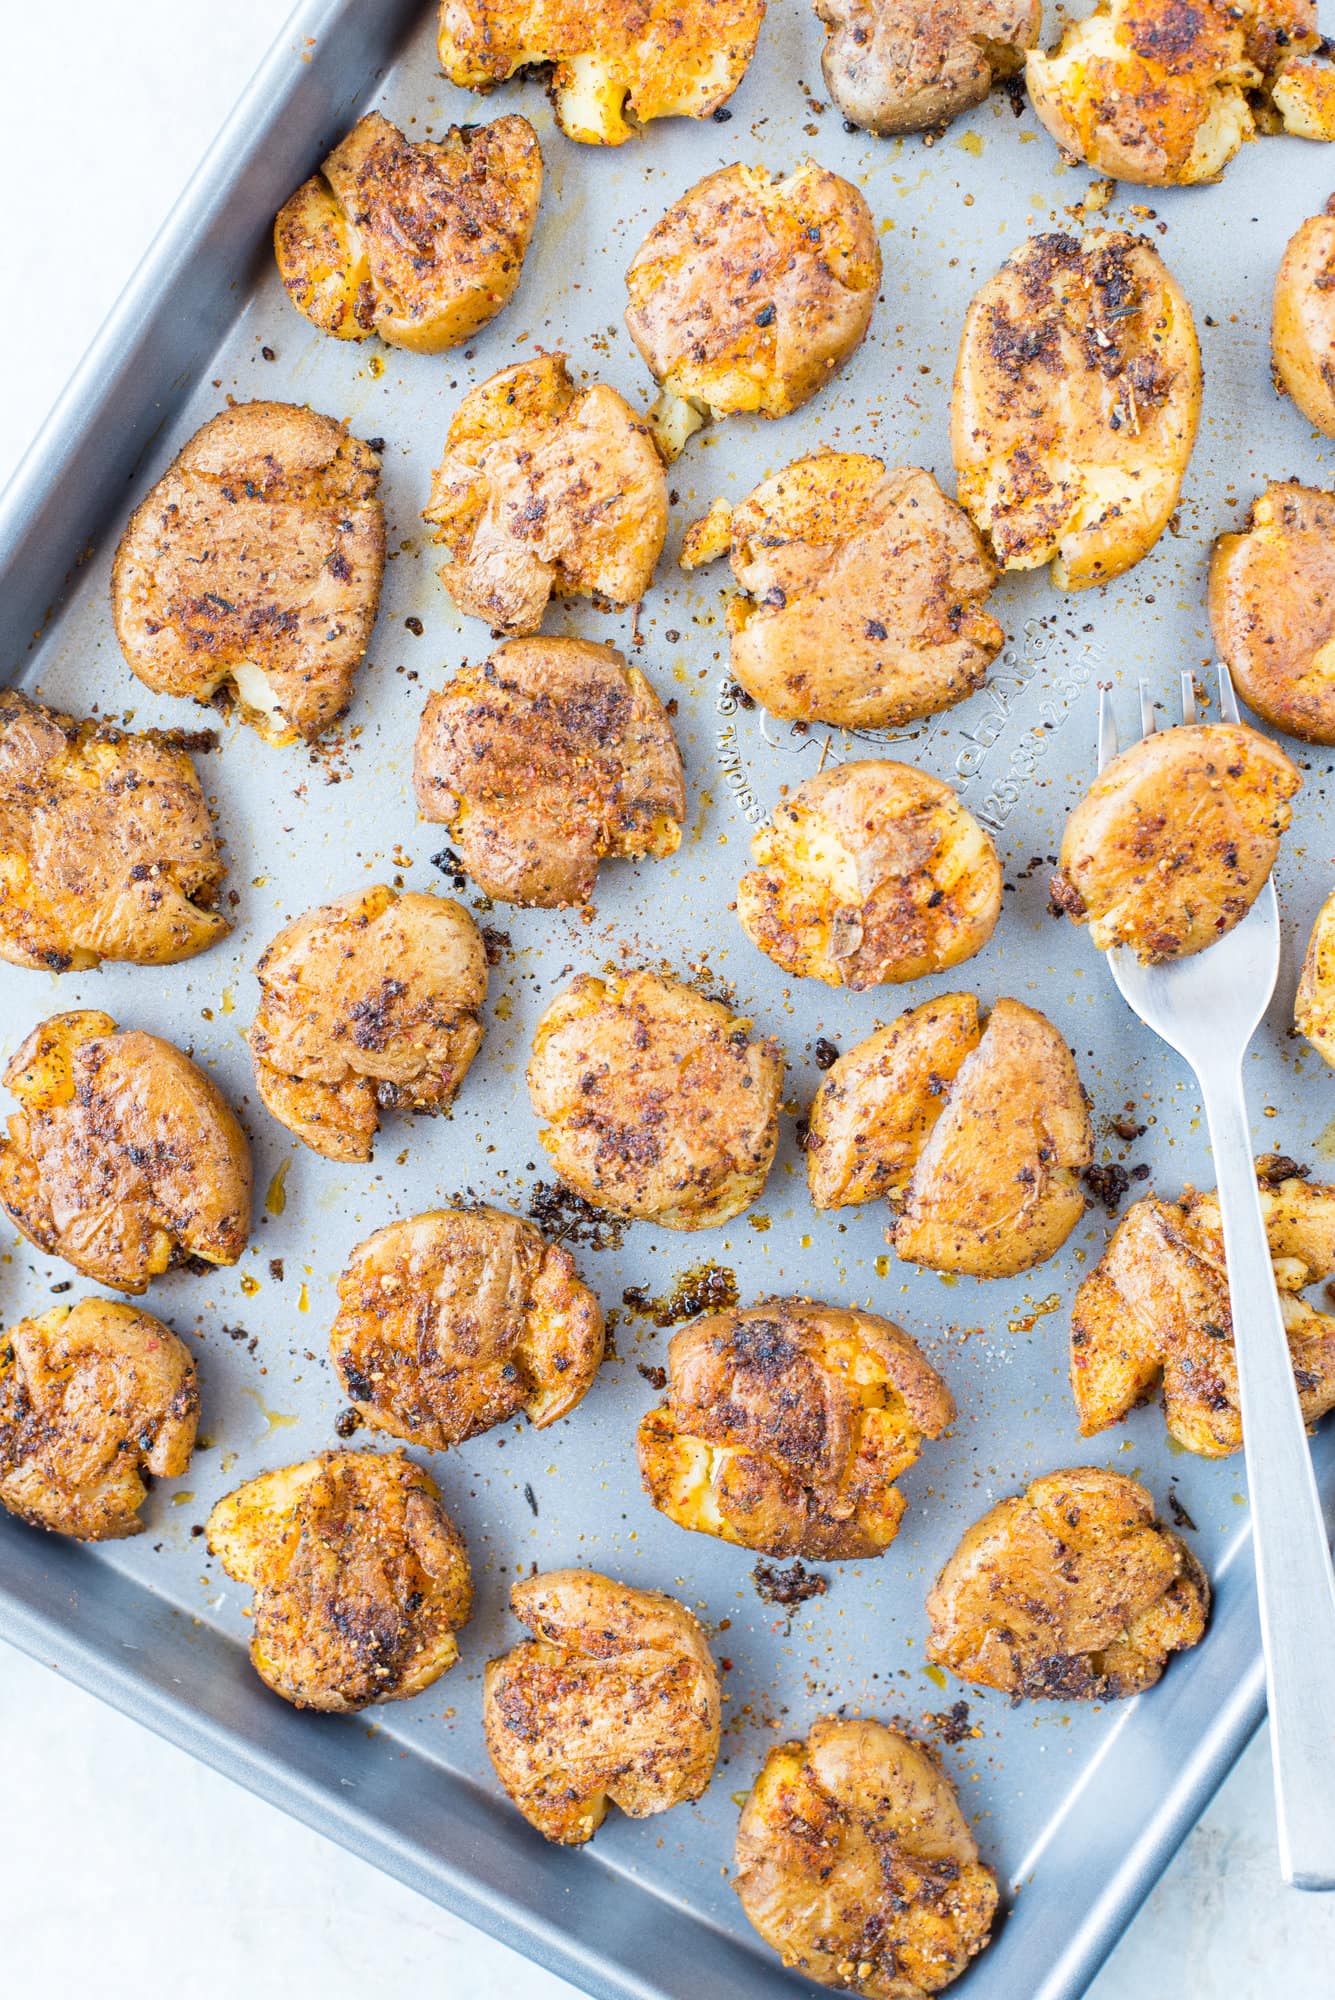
point(1175, 839)
point(1155, 1309)
point(371, 1003)
point(1314, 1003)
point(94, 1398)
point(456, 1320)
point(786, 1426)
point(855, 1863)
point(254, 566)
point(123, 1158)
point(361, 1578)
point(1272, 606)
point(421, 242)
point(1071, 1591)
point(662, 1108)
point(107, 849)
point(1302, 323)
point(912, 65)
point(614, 1700)
point(546, 490)
point(871, 874)
point(543, 761)
point(1076, 400)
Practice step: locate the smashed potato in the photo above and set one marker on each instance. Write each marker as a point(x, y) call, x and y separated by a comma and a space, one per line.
point(361, 1578)
point(123, 1158)
point(370, 1003)
point(93, 1398)
point(1076, 399)
point(1302, 323)
point(543, 761)
point(872, 873)
point(786, 1426)
point(912, 65)
point(661, 1106)
point(107, 849)
point(1156, 1308)
point(855, 1863)
point(546, 490)
point(1272, 606)
point(454, 1321)
point(615, 66)
point(1175, 839)
point(614, 1700)
point(1070, 1590)
point(254, 566)
point(1314, 1004)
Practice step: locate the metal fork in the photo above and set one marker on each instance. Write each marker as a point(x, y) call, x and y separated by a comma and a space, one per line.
point(1208, 1007)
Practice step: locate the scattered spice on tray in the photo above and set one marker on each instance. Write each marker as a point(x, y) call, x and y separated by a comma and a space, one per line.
point(1181, 1518)
point(655, 1377)
point(794, 1585)
point(347, 1422)
point(1127, 1126)
point(531, 1497)
point(566, 1217)
point(824, 1053)
point(704, 1288)
point(954, 1724)
point(1106, 1185)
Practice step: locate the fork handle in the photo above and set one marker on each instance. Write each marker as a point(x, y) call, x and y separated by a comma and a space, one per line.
point(1295, 1585)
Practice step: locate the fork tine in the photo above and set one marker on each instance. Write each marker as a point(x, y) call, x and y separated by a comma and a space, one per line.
point(1146, 709)
point(1107, 730)
point(1188, 695)
point(1228, 700)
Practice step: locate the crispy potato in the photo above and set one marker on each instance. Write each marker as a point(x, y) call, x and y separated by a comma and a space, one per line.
point(544, 760)
point(546, 490)
point(361, 1578)
point(107, 849)
point(1302, 322)
point(1071, 1590)
point(786, 1426)
point(871, 874)
point(661, 1107)
point(422, 243)
point(372, 1002)
point(855, 1863)
point(124, 1158)
point(1272, 606)
point(911, 65)
point(254, 566)
point(749, 292)
point(615, 1699)
point(1156, 1309)
point(1301, 95)
point(93, 1398)
point(454, 1321)
point(1175, 839)
point(1077, 395)
point(1314, 1003)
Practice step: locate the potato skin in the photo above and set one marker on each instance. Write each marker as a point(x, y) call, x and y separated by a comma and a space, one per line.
point(1302, 323)
point(93, 1398)
point(456, 1320)
point(872, 873)
point(1175, 840)
point(1272, 606)
point(1070, 1591)
point(255, 563)
point(124, 1158)
point(1314, 1003)
point(855, 1863)
point(422, 243)
point(896, 66)
point(544, 760)
point(1076, 399)
point(787, 1424)
point(614, 1700)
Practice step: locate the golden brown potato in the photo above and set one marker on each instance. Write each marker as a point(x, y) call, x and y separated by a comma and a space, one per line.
point(615, 66)
point(1302, 324)
point(871, 874)
point(421, 243)
point(361, 1578)
point(855, 1863)
point(615, 1699)
point(908, 65)
point(254, 566)
point(124, 1158)
point(786, 1426)
point(1314, 1004)
point(370, 1003)
point(93, 1398)
point(661, 1107)
point(107, 849)
point(1156, 1308)
point(454, 1321)
point(544, 760)
point(1175, 839)
point(546, 490)
point(1077, 395)
point(1272, 606)
point(749, 292)
point(977, 1139)
point(1070, 1590)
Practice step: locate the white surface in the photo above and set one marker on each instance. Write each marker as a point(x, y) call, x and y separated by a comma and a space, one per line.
point(122, 1857)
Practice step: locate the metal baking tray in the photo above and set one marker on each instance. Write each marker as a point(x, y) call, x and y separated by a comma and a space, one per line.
point(1078, 1810)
